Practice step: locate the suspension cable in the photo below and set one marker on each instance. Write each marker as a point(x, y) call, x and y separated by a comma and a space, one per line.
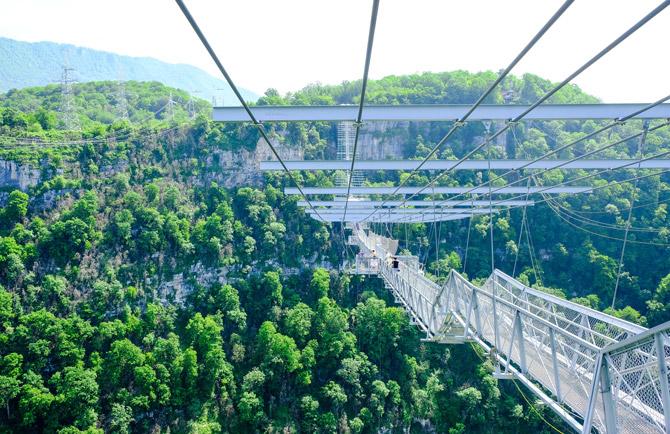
point(358, 124)
point(523, 223)
point(255, 123)
point(547, 95)
point(630, 213)
point(571, 160)
point(461, 121)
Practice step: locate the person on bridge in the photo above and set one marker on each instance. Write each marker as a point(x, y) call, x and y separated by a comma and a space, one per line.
point(395, 264)
point(374, 261)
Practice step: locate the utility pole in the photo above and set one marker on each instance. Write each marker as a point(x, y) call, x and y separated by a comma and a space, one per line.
point(214, 89)
point(66, 112)
point(191, 106)
point(170, 108)
point(121, 101)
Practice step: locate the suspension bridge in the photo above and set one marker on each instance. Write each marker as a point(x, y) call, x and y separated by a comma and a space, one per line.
point(596, 371)
point(611, 375)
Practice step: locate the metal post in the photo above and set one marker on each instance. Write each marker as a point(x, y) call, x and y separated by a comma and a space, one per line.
point(511, 343)
point(552, 338)
point(591, 407)
point(663, 377)
point(478, 321)
point(606, 393)
point(496, 329)
point(471, 307)
point(522, 346)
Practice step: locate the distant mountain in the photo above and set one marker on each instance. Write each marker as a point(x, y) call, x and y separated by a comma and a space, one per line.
point(27, 64)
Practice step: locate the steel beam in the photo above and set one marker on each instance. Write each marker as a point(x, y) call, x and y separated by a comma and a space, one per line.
point(427, 218)
point(401, 211)
point(438, 112)
point(353, 203)
point(465, 165)
point(436, 190)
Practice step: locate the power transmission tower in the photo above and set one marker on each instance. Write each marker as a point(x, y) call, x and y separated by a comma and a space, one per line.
point(214, 89)
point(170, 108)
point(191, 106)
point(66, 112)
point(121, 101)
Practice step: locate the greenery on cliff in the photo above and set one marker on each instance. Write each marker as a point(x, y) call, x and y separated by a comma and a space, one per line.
point(146, 298)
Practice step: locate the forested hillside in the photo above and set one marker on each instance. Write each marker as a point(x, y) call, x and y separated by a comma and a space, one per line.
point(139, 296)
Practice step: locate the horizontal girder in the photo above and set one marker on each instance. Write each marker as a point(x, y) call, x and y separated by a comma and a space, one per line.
point(384, 218)
point(438, 112)
point(353, 203)
point(402, 211)
point(465, 165)
point(436, 190)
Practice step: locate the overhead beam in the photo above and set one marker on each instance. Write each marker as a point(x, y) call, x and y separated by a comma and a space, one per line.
point(389, 219)
point(436, 190)
point(439, 112)
point(416, 203)
point(404, 211)
point(465, 165)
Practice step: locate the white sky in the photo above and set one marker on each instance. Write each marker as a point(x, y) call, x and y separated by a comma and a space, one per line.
point(289, 44)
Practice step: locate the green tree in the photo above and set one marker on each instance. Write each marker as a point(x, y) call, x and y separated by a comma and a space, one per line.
point(17, 206)
point(320, 283)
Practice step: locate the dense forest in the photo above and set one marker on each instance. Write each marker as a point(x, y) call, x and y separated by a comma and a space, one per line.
point(139, 296)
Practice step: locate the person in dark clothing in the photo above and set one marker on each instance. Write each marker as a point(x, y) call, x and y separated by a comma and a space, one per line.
point(395, 264)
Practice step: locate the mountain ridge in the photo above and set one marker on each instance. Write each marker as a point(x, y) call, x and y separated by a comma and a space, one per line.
point(27, 64)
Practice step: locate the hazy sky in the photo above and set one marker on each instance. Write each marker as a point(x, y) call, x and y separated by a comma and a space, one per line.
point(289, 44)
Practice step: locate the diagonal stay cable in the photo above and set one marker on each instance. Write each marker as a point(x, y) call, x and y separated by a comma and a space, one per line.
point(666, 123)
point(630, 214)
point(617, 121)
point(461, 121)
point(254, 121)
point(556, 88)
point(358, 123)
point(591, 175)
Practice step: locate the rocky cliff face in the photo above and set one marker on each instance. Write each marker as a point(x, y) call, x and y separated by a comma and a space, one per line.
point(13, 176)
point(242, 167)
point(378, 142)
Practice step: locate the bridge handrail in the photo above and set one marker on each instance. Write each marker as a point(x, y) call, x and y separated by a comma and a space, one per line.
point(628, 326)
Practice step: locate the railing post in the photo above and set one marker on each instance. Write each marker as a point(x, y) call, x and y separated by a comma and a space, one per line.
point(511, 343)
point(591, 406)
point(496, 330)
point(663, 378)
point(606, 393)
point(478, 321)
point(471, 307)
point(552, 338)
point(522, 346)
